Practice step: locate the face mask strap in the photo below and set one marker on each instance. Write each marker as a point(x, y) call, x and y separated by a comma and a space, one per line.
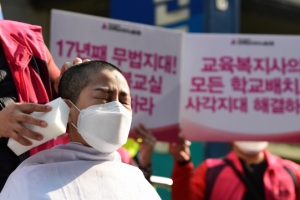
point(74, 126)
point(74, 105)
point(77, 109)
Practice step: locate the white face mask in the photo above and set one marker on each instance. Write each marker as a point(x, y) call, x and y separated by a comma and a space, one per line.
point(105, 127)
point(251, 148)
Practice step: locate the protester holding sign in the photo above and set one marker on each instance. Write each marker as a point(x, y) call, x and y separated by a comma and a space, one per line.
point(248, 172)
point(145, 144)
point(240, 87)
point(88, 167)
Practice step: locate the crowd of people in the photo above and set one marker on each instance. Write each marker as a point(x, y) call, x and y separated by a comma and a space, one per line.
point(91, 162)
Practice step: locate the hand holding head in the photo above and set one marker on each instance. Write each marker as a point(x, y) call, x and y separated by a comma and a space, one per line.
point(65, 67)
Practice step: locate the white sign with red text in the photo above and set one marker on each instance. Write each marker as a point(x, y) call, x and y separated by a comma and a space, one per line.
point(148, 56)
point(240, 87)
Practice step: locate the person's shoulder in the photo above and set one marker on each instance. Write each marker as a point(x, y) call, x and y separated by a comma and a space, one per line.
point(290, 164)
point(22, 174)
point(213, 162)
point(42, 157)
point(142, 188)
point(16, 24)
point(123, 166)
point(15, 186)
point(8, 26)
point(283, 162)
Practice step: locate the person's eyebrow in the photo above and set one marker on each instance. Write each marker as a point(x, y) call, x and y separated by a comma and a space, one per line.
point(103, 89)
point(108, 90)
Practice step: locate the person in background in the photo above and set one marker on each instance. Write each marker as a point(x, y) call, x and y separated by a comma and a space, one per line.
point(146, 142)
point(28, 75)
point(249, 171)
point(88, 167)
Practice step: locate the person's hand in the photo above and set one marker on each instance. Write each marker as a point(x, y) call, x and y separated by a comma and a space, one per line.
point(146, 145)
point(64, 68)
point(12, 117)
point(180, 150)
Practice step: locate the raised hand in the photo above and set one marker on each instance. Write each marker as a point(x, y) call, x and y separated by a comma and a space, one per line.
point(180, 150)
point(147, 144)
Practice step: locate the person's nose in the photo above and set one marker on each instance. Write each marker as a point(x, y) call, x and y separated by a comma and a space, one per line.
point(115, 96)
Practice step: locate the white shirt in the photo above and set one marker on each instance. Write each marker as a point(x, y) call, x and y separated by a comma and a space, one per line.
point(74, 171)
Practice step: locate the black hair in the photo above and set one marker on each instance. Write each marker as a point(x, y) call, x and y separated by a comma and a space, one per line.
point(79, 76)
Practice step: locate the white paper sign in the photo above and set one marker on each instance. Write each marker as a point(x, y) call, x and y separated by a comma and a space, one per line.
point(148, 56)
point(241, 87)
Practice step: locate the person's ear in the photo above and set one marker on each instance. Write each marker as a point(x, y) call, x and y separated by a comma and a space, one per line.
point(70, 106)
point(67, 102)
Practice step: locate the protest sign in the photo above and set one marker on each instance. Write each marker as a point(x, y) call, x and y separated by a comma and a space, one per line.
point(240, 87)
point(148, 56)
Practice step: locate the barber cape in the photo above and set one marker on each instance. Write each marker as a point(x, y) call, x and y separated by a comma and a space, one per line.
point(74, 171)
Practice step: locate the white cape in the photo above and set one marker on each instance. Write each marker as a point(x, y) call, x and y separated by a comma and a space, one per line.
point(72, 172)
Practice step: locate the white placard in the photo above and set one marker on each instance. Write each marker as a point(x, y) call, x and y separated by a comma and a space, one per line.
point(240, 87)
point(148, 56)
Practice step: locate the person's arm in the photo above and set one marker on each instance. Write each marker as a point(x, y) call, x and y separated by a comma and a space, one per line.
point(187, 183)
point(146, 146)
point(181, 177)
point(13, 115)
point(146, 149)
point(183, 168)
point(54, 72)
point(298, 180)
